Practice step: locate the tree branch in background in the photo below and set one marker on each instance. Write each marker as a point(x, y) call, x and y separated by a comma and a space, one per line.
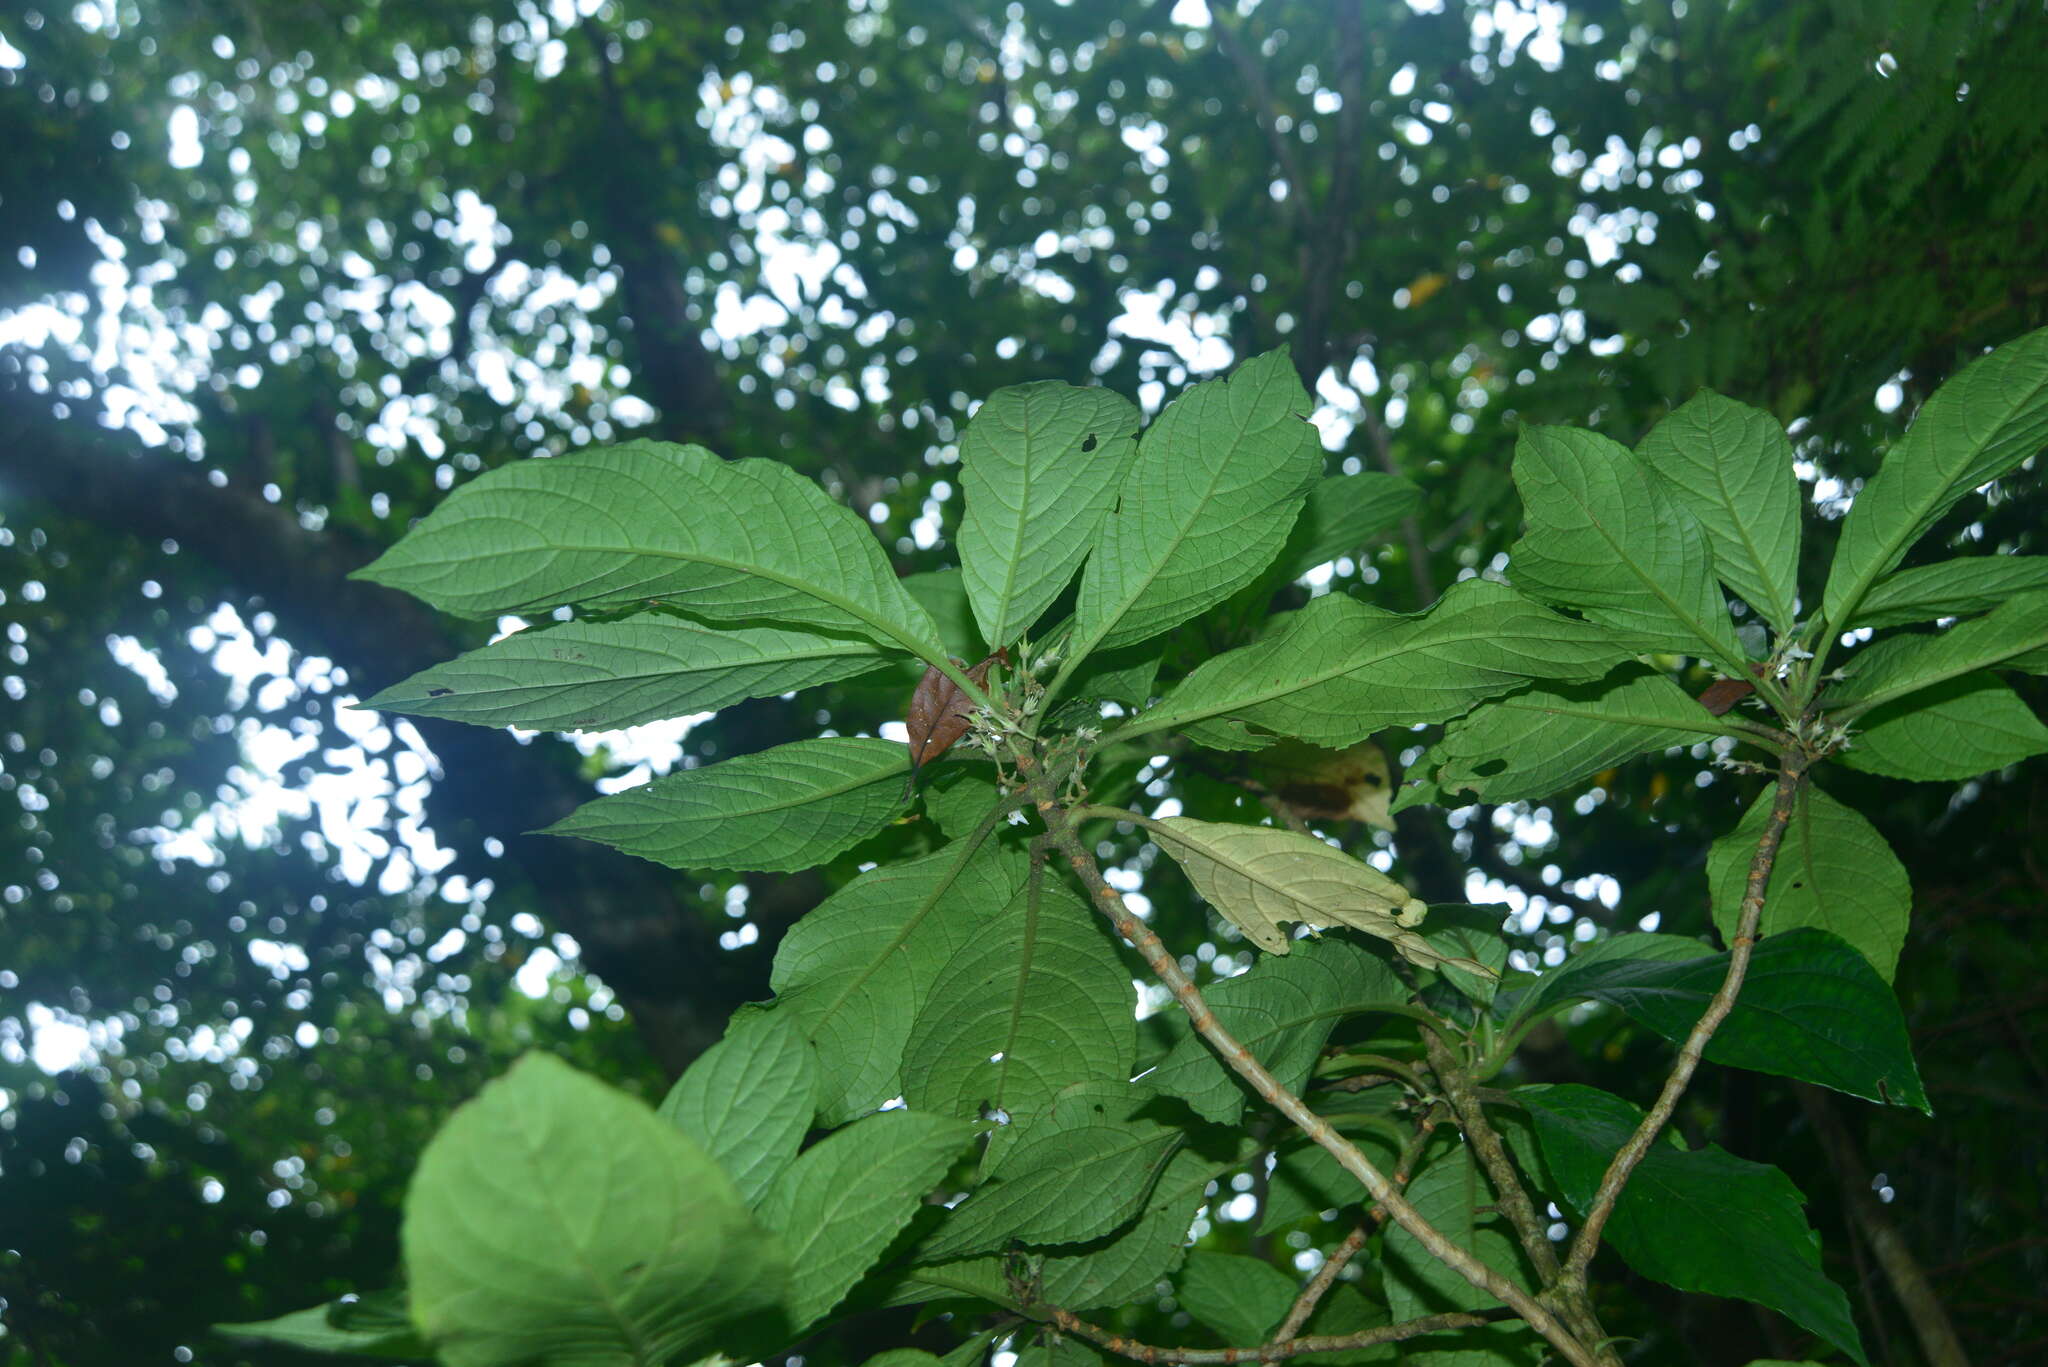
point(1068, 1322)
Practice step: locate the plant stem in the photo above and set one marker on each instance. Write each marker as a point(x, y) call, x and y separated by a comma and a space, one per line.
point(1791, 779)
point(1240, 1060)
point(1068, 1322)
point(1492, 1155)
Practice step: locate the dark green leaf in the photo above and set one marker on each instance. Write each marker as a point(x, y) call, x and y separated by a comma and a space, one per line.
point(1242, 1299)
point(1343, 514)
point(1453, 1195)
point(1954, 730)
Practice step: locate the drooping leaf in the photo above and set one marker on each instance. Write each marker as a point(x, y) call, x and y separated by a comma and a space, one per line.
point(1701, 1220)
point(1243, 1299)
point(1341, 515)
point(777, 811)
point(749, 1099)
point(842, 1203)
point(1338, 670)
point(1954, 730)
point(728, 541)
point(855, 970)
point(1987, 419)
point(1608, 538)
point(1040, 465)
point(1213, 491)
point(555, 1219)
point(940, 712)
point(1951, 588)
point(1731, 467)
point(1282, 1009)
point(583, 676)
point(1833, 872)
point(1035, 1003)
point(1076, 1171)
point(1260, 877)
point(1454, 1195)
point(1542, 740)
point(373, 1326)
point(1904, 664)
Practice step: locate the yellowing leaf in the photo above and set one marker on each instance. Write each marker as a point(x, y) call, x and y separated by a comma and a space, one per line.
point(1423, 288)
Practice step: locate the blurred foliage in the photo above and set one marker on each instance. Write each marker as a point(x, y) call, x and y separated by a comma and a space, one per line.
point(276, 275)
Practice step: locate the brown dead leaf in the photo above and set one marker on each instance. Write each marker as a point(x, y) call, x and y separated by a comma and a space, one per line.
point(939, 712)
point(1722, 694)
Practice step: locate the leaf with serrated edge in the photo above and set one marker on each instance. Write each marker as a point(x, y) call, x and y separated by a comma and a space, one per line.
point(1034, 1004)
point(1902, 664)
point(1217, 482)
point(1532, 744)
point(583, 676)
point(1950, 588)
point(1744, 1227)
point(1243, 1299)
point(1339, 670)
point(1987, 419)
point(1731, 466)
point(789, 808)
point(727, 541)
point(855, 970)
point(555, 1219)
point(1608, 538)
point(749, 1098)
point(839, 1206)
point(1259, 877)
point(1833, 872)
point(1454, 1195)
point(1039, 465)
point(1954, 730)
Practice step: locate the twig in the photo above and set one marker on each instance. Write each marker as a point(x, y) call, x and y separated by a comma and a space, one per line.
point(1254, 76)
point(1068, 1322)
point(1791, 779)
point(1492, 1155)
point(1241, 1061)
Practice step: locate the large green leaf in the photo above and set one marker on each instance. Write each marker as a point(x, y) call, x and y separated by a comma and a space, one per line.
point(1453, 1195)
point(1732, 469)
point(1074, 1172)
point(749, 1098)
point(1216, 485)
point(841, 1204)
point(1542, 740)
point(1833, 872)
point(728, 541)
point(1243, 1299)
point(1033, 1004)
point(1342, 515)
point(1282, 1009)
point(582, 676)
point(1811, 1008)
point(1701, 1220)
point(1954, 730)
point(1893, 668)
point(1952, 588)
point(777, 811)
point(855, 970)
point(1307, 1180)
point(1608, 538)
point(1260, 877)
point(556, 1220)
point(1338, 670)
point(1982, 423)
point(1040, 465)
point(1555, 989)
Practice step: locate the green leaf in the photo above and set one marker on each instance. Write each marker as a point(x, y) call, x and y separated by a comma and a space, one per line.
point(1532, 744)
point(841, 1204)
point(960, 796)
point(1954, 730)
point(943, 593)
point(1282, 1009)
point(1307, 1180)
point(1952, 588)
point(1216, 485)
point(856, 969)
point(1453, 1195)
point(1243, 1299)
point(1075, 1172)
point(1811, 1008)
point(1338, 670)
point(1731, 467)
point(1040, 465)
point(778, 811)
point(373, 1326)
point(583, 676)
point(1259, 877)
point(555, 1219)
point(1904, 664)
point(1702, 1221)
point(1035, 1003)
point(1978, 426)
point(1464, 933)
point(1342, 515)
point(727, 541)
point(1833, 872)
point(1053, 1349)
point(1608, 538)
point(749, 1098)
point(1557, 988)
